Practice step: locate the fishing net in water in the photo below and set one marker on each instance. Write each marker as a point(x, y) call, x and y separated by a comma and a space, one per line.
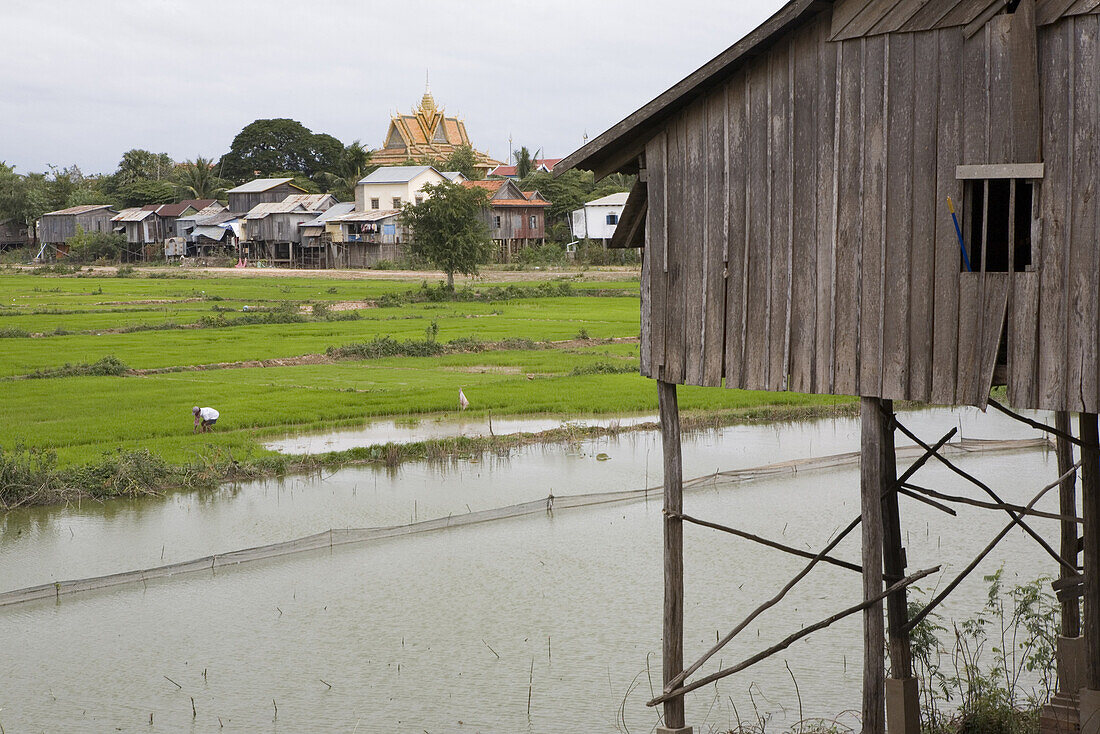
point(333, 538)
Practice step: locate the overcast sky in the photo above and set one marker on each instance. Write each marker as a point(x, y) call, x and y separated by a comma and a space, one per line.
point(84, 81)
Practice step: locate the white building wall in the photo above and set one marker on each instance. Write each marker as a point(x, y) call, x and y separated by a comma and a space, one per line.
point(591, 221)
point(386, 192)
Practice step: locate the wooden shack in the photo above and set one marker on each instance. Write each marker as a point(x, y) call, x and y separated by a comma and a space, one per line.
point(272, 229)
point(516, 218)
point(243, 198)
point(14, 234)
point(57, 227)
point(792, 203)
point(362, 239)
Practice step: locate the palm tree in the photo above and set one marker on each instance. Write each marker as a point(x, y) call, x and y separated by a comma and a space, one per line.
point(353, 165)
point(525, 162)
point(197, 179)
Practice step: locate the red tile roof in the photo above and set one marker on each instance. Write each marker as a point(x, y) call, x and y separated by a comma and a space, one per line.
point(490, 186)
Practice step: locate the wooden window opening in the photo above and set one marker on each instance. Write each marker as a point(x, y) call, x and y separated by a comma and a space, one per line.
point(998, 222)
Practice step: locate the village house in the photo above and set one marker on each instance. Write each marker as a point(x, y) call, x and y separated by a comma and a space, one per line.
point(259, 191)
point(426, 134)
point(516, 219)
point(272, 229)
point(538, 165)
point(394, 186)
point(141, 227)
point(597, 219)
point(186, 222)
point(364, 239)
point(14, 234)
point(169, 214)
point(56, 228)
point(797, 200)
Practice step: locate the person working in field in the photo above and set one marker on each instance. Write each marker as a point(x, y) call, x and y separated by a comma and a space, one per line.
point(205, 418)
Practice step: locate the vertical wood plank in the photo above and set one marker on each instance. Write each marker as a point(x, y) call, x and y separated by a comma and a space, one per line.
point(900, 244)
point(827, 165)
point(695, 245)
point(1024, 56)
point(872, 483)
point(848, 219)
point(656, 246)
point(645, 352)
point(1001, 129)
point(1023, 336)
point(673, 637)
point(715, 213)
point(949, 153)
point(779, 214)
point(875, 52)
point(1084, 263)
point(757, 239)
point(803, 271)
point(926, 101)
point(675, 313)
point(1054, 194)
point(736, 191)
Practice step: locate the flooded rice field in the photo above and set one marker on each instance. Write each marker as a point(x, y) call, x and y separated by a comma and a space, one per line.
point(423, 429)
point(543, 623)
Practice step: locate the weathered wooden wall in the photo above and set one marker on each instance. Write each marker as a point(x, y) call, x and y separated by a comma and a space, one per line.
point(242, 203)
point(59, 228)
point(798, 235)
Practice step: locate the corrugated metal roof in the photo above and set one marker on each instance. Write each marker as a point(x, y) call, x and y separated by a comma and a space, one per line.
point(517, 202)
point(133, 215)
point(274, 207)
point(372, 215)
point(215, 217)
point(310, 201)
point(395, 174)
point(260, 184)
point(453, 176)
point(610, 200)
point(336, 210)
point(82, 209)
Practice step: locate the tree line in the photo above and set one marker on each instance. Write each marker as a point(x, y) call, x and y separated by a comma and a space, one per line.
point(269, 148)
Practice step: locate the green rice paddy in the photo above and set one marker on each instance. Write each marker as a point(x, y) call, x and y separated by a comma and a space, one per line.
point(82, 418)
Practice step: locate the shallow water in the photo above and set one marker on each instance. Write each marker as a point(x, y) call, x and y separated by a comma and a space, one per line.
point(424, 429)
point(408, 631)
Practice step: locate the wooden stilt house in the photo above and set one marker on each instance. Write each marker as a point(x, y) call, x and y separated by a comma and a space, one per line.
point(793, 206)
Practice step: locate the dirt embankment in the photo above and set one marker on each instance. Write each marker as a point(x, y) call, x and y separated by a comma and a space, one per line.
point(488, 275)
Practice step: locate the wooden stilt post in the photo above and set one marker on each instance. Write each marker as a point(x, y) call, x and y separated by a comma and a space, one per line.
point(673, 645)
point(1090, 502)
point(902, 691)
point(872, 468)
point(1061, 712)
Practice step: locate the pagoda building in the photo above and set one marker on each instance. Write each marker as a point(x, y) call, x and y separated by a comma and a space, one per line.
point(428, 133)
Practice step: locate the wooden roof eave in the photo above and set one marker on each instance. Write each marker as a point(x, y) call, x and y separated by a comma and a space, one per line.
point(630, 231)
point(617, 149)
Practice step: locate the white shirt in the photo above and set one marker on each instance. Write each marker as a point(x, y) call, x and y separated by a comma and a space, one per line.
point(208, 414)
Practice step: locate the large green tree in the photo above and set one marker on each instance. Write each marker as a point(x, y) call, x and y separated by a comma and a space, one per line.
point(143, 165)
point(448, 229)
point(22, 198)
point(265, 147)
point(464, 160)
point(145, 191)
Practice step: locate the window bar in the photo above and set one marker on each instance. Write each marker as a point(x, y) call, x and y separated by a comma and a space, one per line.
point(985, 224)
point(1011, 226)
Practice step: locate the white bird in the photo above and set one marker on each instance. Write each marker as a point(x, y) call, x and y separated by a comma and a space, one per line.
point(462, 401)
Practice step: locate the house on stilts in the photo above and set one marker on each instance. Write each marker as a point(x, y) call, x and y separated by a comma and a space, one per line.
point(793, 205)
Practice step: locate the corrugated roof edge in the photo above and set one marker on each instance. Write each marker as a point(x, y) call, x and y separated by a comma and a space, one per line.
point(617, 148)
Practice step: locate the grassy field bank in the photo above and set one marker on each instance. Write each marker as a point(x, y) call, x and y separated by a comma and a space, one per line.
point(514, 348)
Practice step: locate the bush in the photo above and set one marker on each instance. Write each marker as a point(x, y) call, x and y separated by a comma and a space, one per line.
point(11, 332)
point(92, 246)
point(107, 366)
point(547, 254)
point(386, 346)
